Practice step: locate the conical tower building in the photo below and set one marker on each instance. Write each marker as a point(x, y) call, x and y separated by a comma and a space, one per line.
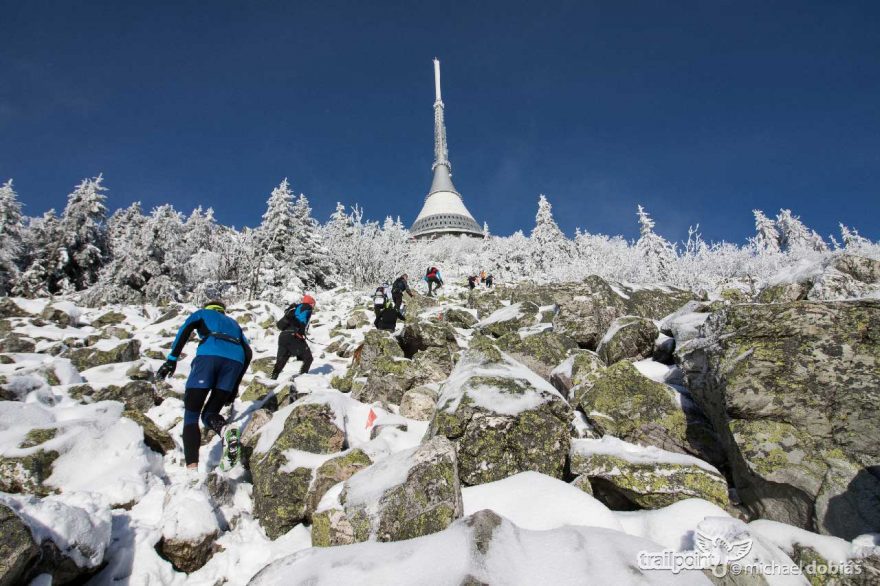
point(444, 211)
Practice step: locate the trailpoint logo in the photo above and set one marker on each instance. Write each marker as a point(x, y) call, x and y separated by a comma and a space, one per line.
point(712, 552)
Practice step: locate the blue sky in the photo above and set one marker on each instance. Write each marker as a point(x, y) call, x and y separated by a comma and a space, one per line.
point(700, 111)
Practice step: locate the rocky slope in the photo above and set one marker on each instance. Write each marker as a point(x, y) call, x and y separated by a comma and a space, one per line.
point(516, 435)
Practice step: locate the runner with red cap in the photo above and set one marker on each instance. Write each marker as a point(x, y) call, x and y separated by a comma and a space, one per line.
point(292, 340)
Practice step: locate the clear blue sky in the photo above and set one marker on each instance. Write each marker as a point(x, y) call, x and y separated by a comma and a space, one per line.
point(699, 110)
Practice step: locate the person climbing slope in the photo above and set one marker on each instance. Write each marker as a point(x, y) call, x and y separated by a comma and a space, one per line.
point(434, 279)
point(380, 297)
point(292, 340)
point(221, 360)
point(472, 281)
point(387, 317)
point(398, 288)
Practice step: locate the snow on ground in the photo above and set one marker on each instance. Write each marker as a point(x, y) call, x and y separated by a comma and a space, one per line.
point(536, 501)
point(117, 499)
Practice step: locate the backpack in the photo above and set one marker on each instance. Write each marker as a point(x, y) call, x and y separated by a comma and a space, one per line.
point(399, 286)
point(287, 319)
point(379, 297)
point(432, 272)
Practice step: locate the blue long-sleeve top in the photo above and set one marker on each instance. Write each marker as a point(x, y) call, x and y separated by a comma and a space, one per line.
point(212, 327)
point(439, 276)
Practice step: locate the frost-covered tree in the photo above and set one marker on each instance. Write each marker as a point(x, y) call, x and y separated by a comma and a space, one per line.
point(40, 242)
point(122, 280)
point(275, 244)
point(11, 229)
point(82, 249)
point(795, 236)
point(203, 250)
point(852, 240)
point(656, 252)
point(551, 251)
point(767, 237)
point(310, 256)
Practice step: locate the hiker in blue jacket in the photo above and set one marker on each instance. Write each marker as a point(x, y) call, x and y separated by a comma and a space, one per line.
point(292, 340)
point(220, 363)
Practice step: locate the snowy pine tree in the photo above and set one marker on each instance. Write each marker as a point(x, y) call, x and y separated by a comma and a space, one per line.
point(275, 243)
point(122, 280)
point(82, 250)
point(767, 237)
point(656, 252)
point(551, 251)
point(311, 259)
point(40, 243)
point(795, 236)
point(11, 230)
point(852, 240)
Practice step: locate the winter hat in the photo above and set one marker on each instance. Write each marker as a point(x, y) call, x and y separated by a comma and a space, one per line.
point(216, 305)
point(308, 299)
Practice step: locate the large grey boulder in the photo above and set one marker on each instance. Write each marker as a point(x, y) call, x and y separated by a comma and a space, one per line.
point(575, 370)
point(628, 337)
point(502, 417)
point(648, 477)
point(417, 336)
point(18, 550)
point(541, 351)
point(509, 319)
point(794, 392)
point(409, 494)
point(587, 309)
point(622, 402)
point(281, 484)
point(189, 529)
point(105, 352)
point(9, 308)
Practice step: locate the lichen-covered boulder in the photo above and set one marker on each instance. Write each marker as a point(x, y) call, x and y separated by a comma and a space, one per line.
point(484, 302)
point(251, 433)
point(784, 292)
point(460, 318)
point(419, 403)
point(332, 472)
point(9, 308)
point(138, 395)
point(358, 319)
point(14, 342)
point(629, 337)
point(281, 484)
point(57, 315)
point(23, 471)
point(105, 352)
point(189, 528)
point(18, 550)
point(140, 370)
point(648, 477)
point(575, 370)
point(860, 268)
point(421, 335)
point(411, 493)
point(502, 417)
point(586, 309)
point(794, 391)
point(263, 365)
point(156, 438)
point(509, 319)
point(111, 318)
point(622, 402)
point(541, 351)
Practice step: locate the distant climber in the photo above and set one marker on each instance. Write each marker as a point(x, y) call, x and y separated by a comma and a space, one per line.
point(221, 360)
point(489, 281)
point(387, 317)
point(380, 297)
point(472, 282)
point(434, 279)
point(398, 288)
point(292, 339)
point(482, 277)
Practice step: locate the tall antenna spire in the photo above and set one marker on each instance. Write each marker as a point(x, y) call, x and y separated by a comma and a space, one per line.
point(441, 153)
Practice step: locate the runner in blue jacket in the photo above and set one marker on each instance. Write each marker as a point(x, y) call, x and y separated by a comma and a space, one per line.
point(220, 363)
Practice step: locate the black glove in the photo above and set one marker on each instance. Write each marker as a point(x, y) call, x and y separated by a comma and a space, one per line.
point(166, 369)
